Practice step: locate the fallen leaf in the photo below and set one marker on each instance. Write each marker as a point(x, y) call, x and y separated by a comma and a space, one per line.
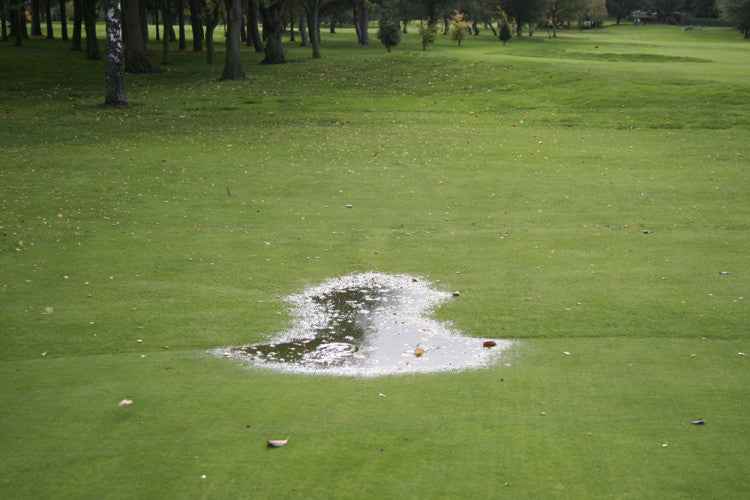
point(700, 421)
point(418, 352)
point(125, 402)
point(489, 343)
point(277, 443)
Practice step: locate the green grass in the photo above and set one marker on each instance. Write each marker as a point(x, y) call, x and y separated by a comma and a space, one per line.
point(584, 194)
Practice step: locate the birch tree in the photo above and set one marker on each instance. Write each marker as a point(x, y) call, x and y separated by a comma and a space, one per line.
point(114, 67)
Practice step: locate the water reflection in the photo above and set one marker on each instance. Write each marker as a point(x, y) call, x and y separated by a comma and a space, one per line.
point(367, 325)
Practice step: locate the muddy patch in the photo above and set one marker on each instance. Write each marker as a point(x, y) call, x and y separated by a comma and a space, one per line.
point(369, 325)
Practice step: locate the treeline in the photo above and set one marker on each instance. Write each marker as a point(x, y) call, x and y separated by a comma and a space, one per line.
point(23, 18)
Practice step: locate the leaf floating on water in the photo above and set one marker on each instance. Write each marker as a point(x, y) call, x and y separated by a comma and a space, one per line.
point(277, 443)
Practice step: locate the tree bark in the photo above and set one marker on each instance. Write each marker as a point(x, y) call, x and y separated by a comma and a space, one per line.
point(180, 6)
point(75, 40)
point(305, 41)
point(143, 17)
point(4, 22)
point(48, 18)
point(20, 23)
point(136, 60)
point(312, 10)
point(196, 25)
point(232, 62)
point(36, 21)
point(212, 19)
point(273, 25)
point(253, 34)
point(362, 20)
point(63, 21)
point(165, 15)
point(114, 68)
point(89, 17)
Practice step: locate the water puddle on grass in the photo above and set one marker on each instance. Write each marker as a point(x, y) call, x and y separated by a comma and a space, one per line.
point(369, 325)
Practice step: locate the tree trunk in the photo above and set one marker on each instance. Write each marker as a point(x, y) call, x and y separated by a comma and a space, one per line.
point(63, 21)
point(291, 27)
point(273, 26)
point(48, 18)
point(36, 21)
point(114, 68)
point(75, 41)
point(212, 19)
point(165, 14)
point(232, 63)
point(89, 17)
point(143, 16)
point(196, 25)
point(363, 21)
point(253, 34)
point(180, 6)
point(305, 42)
point(333, 26)
point(20, 23)
point(156, 23)
point(4, 21)
point(136, 60)
point(313, 26)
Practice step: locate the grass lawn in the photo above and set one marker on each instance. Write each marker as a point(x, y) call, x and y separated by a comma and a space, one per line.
point(588, 195)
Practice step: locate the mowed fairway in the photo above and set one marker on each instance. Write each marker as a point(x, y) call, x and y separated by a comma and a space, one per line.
point(588, 196)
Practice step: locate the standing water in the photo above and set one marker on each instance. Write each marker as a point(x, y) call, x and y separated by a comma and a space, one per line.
point(369, 325)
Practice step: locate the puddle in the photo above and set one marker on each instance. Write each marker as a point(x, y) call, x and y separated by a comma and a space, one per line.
point(369, 325)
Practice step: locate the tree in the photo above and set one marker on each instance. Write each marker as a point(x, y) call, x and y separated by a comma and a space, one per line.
point(271, 11)
point(361, 20)
point(89, 18)
point(210, 10)
point(505, 34)
point(665, 10)
point(196, 25)
point(389, 29)
point(312, 13)
point(737, 11)
point(621, 9)
point(458, 27)
point(63, 21)
point(75, 40)
point(594, 11)
point(232, 63)
point(428, 32)
point(36, 19)
point(136, 60)
point(560, 11)
point(180, 8)
point(48, 18)
point(114, 68)
point(253, 35)
point(166, 13)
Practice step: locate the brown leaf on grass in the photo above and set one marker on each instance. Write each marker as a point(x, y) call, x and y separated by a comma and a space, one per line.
point(418, 352)
point(277, 443)
point(489, 343)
